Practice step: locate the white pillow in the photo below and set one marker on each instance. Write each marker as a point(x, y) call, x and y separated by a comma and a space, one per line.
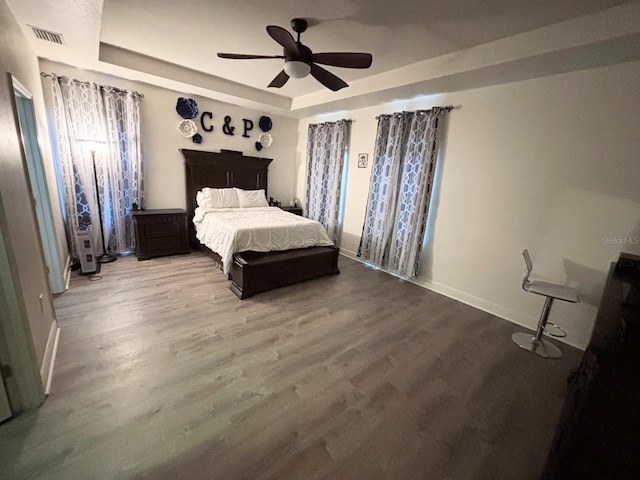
point(252, 198)
point(200, 198)
point(217, 198)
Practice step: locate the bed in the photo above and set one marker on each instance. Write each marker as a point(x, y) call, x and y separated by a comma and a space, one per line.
point(252, 271)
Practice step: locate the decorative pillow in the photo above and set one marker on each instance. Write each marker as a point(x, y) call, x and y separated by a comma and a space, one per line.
point(217, 198)
point(252, 198)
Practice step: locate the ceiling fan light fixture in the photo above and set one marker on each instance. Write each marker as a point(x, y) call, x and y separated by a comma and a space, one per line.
point(297, 69)
point(300, 61)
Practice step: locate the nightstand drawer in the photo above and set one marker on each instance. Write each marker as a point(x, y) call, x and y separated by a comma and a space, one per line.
point(162, 229)
point(160, 245)
point(160, 232)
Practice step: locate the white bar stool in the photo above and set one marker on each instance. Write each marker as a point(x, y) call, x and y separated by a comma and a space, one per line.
point(535, 343)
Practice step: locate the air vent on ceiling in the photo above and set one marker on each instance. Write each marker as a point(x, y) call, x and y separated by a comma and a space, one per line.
point(47, 36)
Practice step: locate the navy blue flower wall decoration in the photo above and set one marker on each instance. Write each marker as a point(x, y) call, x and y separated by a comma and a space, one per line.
point(197, 138)
point(187, 108)
point(265, 123)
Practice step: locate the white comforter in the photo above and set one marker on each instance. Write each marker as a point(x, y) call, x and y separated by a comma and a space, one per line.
point(262, 229)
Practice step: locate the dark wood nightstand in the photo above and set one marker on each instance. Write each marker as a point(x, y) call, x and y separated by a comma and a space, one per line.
point(160, 232)
point(294, 210)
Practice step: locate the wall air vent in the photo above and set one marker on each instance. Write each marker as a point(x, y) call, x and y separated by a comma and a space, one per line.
point(47, 36)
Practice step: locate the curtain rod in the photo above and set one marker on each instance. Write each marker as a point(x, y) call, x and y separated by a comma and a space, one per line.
point(343, 120)
point(120, 90)
point(446, 108)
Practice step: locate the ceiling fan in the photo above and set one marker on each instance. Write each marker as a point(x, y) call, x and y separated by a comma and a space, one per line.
point(299, 60)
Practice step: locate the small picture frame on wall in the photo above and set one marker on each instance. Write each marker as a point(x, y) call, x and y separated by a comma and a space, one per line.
point(363, 159)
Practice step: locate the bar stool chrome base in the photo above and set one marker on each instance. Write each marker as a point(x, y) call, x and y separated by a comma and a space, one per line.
point(543, 348)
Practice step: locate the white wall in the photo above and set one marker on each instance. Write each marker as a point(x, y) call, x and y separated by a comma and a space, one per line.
point(164, 174)
point(27, 313)
point(550, 164)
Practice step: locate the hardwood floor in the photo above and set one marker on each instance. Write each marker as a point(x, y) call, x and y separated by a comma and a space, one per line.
point(163, 373)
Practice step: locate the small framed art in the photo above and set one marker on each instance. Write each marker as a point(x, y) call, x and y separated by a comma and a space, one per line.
point(363, 159)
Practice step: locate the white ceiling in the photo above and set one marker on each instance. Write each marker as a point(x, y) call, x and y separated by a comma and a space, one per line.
point(418, 46)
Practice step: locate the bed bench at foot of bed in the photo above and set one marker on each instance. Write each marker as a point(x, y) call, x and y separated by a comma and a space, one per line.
point(254, 272)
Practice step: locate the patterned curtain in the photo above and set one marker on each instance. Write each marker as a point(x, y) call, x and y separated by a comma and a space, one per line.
point(400, 190)
point(326, 149)
point(106, 121)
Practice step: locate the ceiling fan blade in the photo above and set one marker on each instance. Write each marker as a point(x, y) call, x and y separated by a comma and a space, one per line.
point(344, 59)
point(280, 80)
point(327, 78)
point(241, 56)
point(284, 38)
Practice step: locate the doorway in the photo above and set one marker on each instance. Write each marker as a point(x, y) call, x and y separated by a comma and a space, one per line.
point(5, 406)
point(37, 179)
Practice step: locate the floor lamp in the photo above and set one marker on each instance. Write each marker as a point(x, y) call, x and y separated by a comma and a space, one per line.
point(105, 257)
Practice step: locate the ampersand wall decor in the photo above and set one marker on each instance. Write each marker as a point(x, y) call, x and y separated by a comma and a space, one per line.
point(227, 128)
point(187, 108)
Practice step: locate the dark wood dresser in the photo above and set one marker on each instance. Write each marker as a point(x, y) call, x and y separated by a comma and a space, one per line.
point(598, 434)
point(160, 232)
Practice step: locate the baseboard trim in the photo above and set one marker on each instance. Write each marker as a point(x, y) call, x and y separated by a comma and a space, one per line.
point(46, 371)
point(574, 339)
point(350, 254)
point(67, 272)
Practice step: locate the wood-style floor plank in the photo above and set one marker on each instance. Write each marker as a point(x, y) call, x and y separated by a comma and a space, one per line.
point(163, 373)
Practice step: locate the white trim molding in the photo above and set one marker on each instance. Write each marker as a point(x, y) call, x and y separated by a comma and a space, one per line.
point(67, 273)
point(46, 371)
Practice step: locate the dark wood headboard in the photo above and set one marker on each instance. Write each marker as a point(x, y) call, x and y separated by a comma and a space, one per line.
point(226, 168)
